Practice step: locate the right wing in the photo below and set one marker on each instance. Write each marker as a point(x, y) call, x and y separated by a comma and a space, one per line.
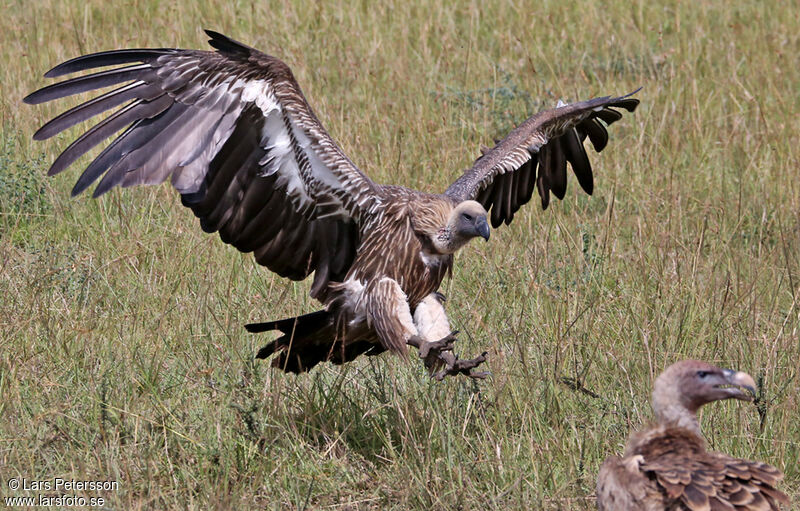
point(503, 178)
point(236, 136)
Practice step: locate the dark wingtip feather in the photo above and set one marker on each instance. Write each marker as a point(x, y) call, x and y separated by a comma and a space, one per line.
point(544, 190)
point(597, 133)
point(86, 83)
point(93, 107)
point(42, 133)
point(106, 58)
point(558, 172)
point(87, 178)
point(53, 170)
point(112, 178)
point(576, 156)
point(227, 45)
point(608, 115)
point(627, 102)
point(29, 99)
point(100, 190)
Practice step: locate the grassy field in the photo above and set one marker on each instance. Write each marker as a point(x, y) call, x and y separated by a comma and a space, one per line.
point(122, 352)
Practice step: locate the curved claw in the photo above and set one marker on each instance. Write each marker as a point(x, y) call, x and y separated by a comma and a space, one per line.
point(438, 354)
point(443, 344)
point(465, 367)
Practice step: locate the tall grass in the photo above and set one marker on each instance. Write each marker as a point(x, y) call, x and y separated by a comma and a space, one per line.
point(122, 352)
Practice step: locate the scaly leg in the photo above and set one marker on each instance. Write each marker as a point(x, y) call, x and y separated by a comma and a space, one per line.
point(440, 353)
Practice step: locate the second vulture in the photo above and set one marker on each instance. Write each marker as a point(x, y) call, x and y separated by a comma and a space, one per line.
point(667, 467)
point(234, 134)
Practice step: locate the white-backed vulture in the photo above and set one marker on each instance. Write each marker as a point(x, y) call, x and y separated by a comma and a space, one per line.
point(233, 132)
point(667, 467)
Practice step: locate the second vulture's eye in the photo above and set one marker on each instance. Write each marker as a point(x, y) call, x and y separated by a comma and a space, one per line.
point(702, 374)
point(467, 216)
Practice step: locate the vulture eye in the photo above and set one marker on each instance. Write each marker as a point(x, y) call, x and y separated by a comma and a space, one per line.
point(466, 216)
point(702, 374)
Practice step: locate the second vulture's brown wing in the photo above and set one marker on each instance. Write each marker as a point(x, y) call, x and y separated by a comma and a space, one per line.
point(712, 481)
point(536, 153)
point(234, 133)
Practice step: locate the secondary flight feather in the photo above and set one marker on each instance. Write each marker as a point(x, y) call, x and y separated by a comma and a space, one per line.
point(234, 134)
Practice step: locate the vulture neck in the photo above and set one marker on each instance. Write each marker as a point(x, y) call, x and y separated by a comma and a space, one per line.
point(678, 417)
point(671, 406)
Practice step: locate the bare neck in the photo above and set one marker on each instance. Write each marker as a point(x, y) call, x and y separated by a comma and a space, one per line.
point(676, 415)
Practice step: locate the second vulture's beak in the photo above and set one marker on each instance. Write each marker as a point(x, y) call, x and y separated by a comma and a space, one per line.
point(737, 383)
point(482, 226)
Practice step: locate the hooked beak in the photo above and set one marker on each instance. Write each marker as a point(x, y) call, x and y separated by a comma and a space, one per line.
point(482, 227)
point(737, 383)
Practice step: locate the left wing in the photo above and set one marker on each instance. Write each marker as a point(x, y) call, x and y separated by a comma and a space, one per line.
point(235, 135)
point(503, 178)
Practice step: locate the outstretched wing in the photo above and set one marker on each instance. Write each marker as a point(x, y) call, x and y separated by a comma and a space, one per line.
point(504, 177)
point(234, 133)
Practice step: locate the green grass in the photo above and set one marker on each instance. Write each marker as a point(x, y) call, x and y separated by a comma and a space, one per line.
point(122, 352)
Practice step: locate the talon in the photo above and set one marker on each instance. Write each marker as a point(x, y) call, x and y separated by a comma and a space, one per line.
point(459, 366)
point(443, 344)
point(438, 353)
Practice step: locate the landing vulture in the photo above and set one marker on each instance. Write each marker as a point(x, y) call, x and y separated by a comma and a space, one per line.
point(667, 466)
point(234, 134)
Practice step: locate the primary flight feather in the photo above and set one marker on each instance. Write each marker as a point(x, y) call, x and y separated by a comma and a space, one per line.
point(235, 135)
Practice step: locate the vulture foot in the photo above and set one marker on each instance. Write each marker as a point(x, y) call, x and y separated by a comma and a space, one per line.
point(439, 354)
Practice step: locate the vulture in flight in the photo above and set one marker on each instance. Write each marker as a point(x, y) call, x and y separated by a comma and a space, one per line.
point(667, 466)
point(233, 132)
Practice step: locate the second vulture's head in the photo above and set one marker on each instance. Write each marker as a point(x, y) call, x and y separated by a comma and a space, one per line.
point(686, 386)
point(466, 221)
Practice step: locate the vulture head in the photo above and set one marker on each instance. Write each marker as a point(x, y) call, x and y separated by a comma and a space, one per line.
point(686, 386)
point(466, 221)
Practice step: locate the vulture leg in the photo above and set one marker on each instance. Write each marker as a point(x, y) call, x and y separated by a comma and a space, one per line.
point(430, 351)
point(440, 353)
point(435, 341)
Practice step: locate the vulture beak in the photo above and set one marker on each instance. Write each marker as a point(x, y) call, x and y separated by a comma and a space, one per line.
point(737, 383)
point(482, 227)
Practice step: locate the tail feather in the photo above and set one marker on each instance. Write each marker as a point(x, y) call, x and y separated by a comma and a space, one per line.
point(298, 325)
point(308, 340)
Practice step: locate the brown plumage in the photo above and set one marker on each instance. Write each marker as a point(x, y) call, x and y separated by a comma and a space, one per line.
point(667, 466)
point(233, 132)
